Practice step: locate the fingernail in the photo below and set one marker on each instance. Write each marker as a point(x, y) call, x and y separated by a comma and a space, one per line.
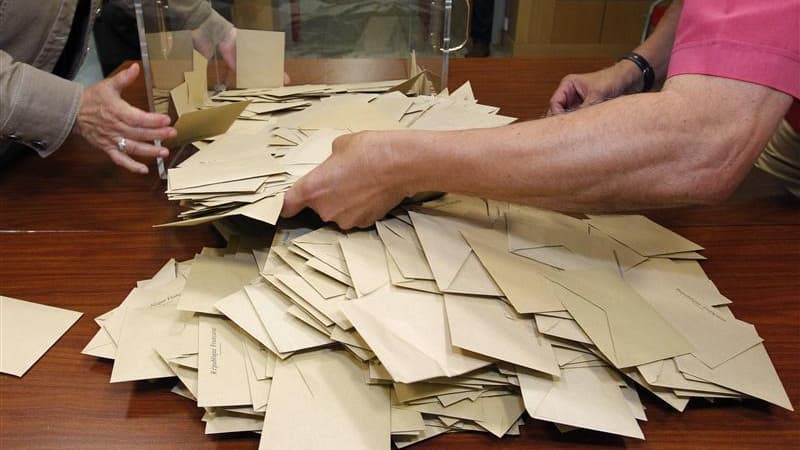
point(173, 132)
point(163, 153)
point(143, 171)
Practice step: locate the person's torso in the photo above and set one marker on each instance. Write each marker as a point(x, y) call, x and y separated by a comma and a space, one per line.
point(36, 32)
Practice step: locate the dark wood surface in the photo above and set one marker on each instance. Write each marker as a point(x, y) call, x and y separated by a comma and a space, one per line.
point(75, 232)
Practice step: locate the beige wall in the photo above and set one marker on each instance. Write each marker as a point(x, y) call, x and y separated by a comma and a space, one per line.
point(575, 28)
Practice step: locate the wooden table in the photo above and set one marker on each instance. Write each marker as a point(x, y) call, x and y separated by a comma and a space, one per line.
point(75, 232)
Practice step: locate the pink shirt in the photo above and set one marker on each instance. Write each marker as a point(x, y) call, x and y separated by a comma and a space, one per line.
point(750, 40)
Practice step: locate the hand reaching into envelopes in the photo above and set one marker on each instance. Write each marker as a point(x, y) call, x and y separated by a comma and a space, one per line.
point(352, 187)
point(110, 124)
point(226, 47)
point(581, 90)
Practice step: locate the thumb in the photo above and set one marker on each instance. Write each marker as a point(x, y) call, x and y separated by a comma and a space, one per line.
point(125, 78)
point(292, 201)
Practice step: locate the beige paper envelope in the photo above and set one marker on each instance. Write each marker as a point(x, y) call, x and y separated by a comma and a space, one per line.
point(322, 321)
point(266, 210)
point(229, 147)
point(406, 421)
point(623, 326)
point(331, 307)
point(315, 149)
point(142, 330)
point(455, 266)
point(397, 278)
point(407, 330)
point(220, 421)
point(349, 337)
point(463, 93)
point(259, 58)
point(686, 276)
point(326, 286)
point(205, 123)
point(27, 331)
point(288, 333)
point(462, 410)
point(259, 388)
point(585, 398)
point(452, 399)
point(352, 116)
point(490, 327)
point(197, 81)
point(323, 244)
point(269, 107)
point(180, 346)
point(213, 278)
point(360, 353)
point(561, 328)
point(413, 393)
point(393, 104)
point(238, 308)
point(327, 269)
point(665, 394)
point(179, 101)
point(666, 374)
point(197, 175)
point(320, 401)
point(500, 413)
point(750, 372)
point(714, 338)
point(562, 241)
point(246, 186)
point(100, 346)
point(222, 371)
point(643, 235)
point(159, 294)
point(302, 315)
point(402, 243)
point(263, 360)
point(519, 278)
point(365, 257)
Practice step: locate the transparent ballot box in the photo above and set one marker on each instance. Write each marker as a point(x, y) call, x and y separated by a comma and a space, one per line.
point(313, 41)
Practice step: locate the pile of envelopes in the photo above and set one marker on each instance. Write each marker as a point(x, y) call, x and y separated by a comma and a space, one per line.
point(458, 315)
point(253, 144)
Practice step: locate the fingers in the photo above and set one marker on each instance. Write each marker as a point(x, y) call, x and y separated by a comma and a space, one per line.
point(125, 78)
point(127, 162)
point(293, 200)
point(135, 117)
point(145, 150)
point(148, 134)
point(565, 97)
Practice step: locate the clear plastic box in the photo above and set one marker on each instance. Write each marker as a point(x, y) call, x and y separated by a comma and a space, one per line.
point(326, 41)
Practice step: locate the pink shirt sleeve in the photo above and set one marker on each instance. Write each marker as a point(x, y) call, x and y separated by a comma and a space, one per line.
point(750, 40)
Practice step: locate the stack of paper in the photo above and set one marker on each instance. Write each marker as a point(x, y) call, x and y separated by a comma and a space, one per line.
point(244, 165)
point(27, 331)
point(459, 315)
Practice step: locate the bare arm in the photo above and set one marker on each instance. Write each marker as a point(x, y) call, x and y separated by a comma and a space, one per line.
point(624, 77)
point(691, 143)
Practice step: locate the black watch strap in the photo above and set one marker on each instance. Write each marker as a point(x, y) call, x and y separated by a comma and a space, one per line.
point(648, 74)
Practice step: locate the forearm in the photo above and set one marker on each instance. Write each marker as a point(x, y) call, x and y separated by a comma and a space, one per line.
point(635, 152)
point(37, 108)
point(658, 46)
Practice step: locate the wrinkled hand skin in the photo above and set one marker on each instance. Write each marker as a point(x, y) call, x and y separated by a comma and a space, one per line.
point(104, 117)
point(578, 91)
point(356, 186)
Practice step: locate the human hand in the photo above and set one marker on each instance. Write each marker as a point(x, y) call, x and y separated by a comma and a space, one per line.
point(581, 90)
point(355, 186)
point(227, 50)
point(104, 118)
